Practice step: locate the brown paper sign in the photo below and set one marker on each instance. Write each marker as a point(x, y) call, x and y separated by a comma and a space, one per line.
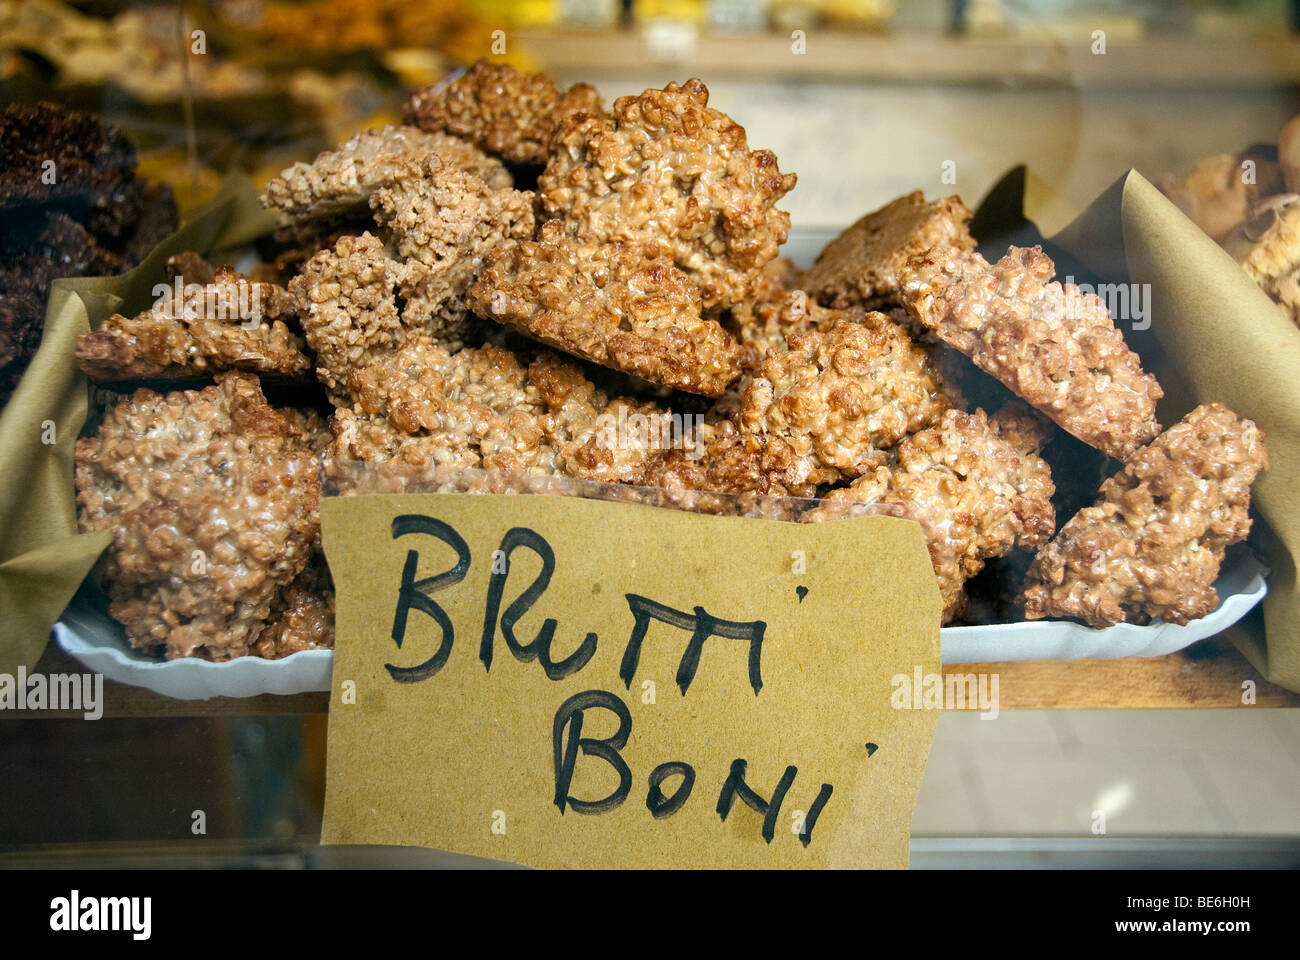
point(564, 682)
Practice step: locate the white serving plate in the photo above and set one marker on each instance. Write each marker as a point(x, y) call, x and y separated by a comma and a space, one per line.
point(1241, 585)
point(98, 642)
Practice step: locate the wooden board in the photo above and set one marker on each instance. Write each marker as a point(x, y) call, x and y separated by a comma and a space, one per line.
point(1209, 674)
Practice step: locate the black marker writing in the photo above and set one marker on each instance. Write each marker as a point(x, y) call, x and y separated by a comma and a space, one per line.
point(540, 647)
point(414, 593)
point(815, 811)
point(702, 625)
point(570, 715)
point(655, 801)
point(735, 786)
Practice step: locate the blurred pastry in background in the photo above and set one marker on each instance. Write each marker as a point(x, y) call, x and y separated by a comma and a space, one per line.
point(1268, 248)
point(71, 204)
point(1250, 203)
point(1222, 190)
point(342, 26)
point(1288, 154)
point(137, 51)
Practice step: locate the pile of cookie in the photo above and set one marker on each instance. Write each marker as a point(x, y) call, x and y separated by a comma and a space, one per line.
point(523, 289)
point(1250, 203)
point(71, 205)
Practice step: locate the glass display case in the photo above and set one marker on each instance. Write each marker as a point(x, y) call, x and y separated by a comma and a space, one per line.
point(1164, 133)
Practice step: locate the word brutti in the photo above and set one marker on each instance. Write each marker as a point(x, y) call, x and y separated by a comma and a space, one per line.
point(697, 627)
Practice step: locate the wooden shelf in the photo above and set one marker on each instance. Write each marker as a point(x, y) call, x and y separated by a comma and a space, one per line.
point(1207, 675)
point(928, 58)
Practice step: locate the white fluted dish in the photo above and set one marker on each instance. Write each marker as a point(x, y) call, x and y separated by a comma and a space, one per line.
point(99, 643)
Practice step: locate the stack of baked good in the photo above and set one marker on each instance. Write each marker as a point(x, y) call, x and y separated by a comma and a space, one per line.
point(70, 205)
point(523, 284)
point(1250, 203)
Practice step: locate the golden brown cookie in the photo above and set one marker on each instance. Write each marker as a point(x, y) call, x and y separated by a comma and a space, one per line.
point(1152, 545)
point(1051, 344)
point(347, 303)
point(860, 267)
point(212, 500)
point(841, 396)
point(665, 168)
point(509, 114)
point(195, 331)
point(975, 496)
point(611, 304)
point(443, 222)
point(339, 182)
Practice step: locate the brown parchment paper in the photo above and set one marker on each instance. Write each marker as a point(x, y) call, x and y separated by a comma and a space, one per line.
point(42, 557)
point(463, 757)
point(1231, 343)
point(1213, 336)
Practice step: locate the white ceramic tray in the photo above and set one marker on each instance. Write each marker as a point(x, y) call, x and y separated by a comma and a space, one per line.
point(99, 643)
point(1241, 585)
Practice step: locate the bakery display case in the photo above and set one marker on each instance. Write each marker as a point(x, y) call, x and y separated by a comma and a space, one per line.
point(933, 360)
